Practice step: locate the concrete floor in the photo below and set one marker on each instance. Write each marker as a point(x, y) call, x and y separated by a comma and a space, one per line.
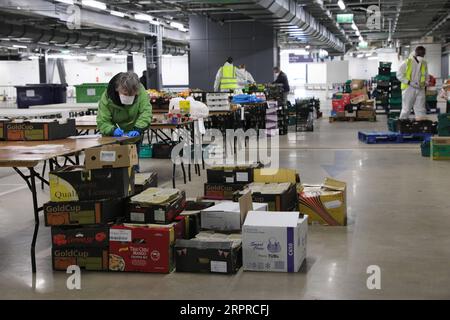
point(399, 220)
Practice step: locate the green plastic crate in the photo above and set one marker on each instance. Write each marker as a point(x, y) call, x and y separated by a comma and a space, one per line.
point(382, 78)
point(444, 125)
point(146, 151)
point(385, 64)
point(425, 148)
point(392, 124)
point(441, 150)
point(395, 101)
point(393, 114)
point(431, 98)
point(89, 92)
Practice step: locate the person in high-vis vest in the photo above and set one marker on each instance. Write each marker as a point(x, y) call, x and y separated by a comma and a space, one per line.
point(413, 75)
point(226, 77)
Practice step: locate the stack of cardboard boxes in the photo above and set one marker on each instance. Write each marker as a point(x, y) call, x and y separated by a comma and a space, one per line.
point(145, 242)
point(222, 182)
point(354, 105)
point(84, 202)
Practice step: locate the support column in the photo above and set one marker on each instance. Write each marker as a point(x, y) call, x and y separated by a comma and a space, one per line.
point(42, 69)
point(130, 63)
point(153, 57)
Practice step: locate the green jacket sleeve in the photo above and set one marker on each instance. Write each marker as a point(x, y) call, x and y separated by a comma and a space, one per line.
point(145, 111)
point(104, 117)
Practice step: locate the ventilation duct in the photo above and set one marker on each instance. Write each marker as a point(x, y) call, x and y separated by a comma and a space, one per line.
point(86, 40)
point(287, 13)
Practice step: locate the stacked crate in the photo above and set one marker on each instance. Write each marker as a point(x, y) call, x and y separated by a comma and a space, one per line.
point(218, 101)
point(395, 95)
point(383, 83)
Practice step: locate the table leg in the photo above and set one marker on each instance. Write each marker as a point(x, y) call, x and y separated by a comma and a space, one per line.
point(31, 182)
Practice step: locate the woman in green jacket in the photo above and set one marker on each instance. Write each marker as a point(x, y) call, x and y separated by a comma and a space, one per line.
point(124, 108)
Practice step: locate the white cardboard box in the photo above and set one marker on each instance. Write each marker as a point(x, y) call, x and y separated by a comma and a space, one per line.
point(274, 241)
point(227, 216)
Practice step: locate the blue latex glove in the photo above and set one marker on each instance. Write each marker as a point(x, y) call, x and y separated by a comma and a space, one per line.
point(133, 133)
point(118, 132)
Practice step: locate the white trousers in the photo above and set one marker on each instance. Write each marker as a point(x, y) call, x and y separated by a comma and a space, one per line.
point(413, 98)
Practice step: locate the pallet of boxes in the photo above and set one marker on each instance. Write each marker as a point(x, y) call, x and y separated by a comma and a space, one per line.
point(355, 105)
point(87, 202)
point(232, 229)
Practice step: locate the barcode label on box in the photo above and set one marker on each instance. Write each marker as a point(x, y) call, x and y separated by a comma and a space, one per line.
point(108, 156)
point(279, 265)
point(219, 266)
point(160, 215)
point(120, 235)
point(29, 93)
point(242, 177)
point(333, 204)
point(91, 92)
point(137, 216)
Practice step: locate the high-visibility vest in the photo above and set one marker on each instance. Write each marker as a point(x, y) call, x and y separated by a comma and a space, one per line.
point(423, 71)
point(228, 81)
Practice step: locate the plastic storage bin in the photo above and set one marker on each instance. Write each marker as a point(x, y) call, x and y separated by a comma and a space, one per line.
point(89, 92)
point(146, 151)
point(39, 94)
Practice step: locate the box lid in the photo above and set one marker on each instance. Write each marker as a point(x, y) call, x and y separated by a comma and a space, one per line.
point(334, 184)
point(272, 219)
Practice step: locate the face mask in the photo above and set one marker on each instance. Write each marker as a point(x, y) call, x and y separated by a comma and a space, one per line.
point(420, 59)
point(126, 100)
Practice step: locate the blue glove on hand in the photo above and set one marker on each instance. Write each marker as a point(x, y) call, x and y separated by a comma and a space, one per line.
point(133, 133)
point(118, 132)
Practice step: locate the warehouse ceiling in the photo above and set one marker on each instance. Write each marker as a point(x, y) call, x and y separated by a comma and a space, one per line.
point(300, 23)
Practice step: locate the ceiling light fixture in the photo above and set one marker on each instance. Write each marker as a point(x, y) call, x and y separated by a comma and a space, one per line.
point(341, 4)
point(143, 17)
point(66, 1)
point(117, 13)
point(94, 4)
point(19, 46)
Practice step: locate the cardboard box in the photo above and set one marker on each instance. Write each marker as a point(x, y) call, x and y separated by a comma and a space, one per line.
point(40, 129)
point(357, 84)
point(80, 237)
point(440, 148)
point(325, 204)
point(111, 156)
point(156, 212)
point(274, 241)
point(141, 249)
point(235, 174)
point(222, 191)
point(192, 216)
point(143, 181)
point(229, 216)
point(267, 175)
point(83, 212)
point(89, 258)
point(214, 254)
point(359, 99)
point(358, 92)
point(74, 183)
point(365, 114)
point(178, 226)
point(278, 196)
point(3, 123)
point(86, 247)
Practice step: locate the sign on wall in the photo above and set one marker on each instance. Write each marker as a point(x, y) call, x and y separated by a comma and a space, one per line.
point(344, 17)
point(299, 58)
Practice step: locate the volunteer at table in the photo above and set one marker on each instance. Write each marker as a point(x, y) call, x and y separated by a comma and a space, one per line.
point(124, 108)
